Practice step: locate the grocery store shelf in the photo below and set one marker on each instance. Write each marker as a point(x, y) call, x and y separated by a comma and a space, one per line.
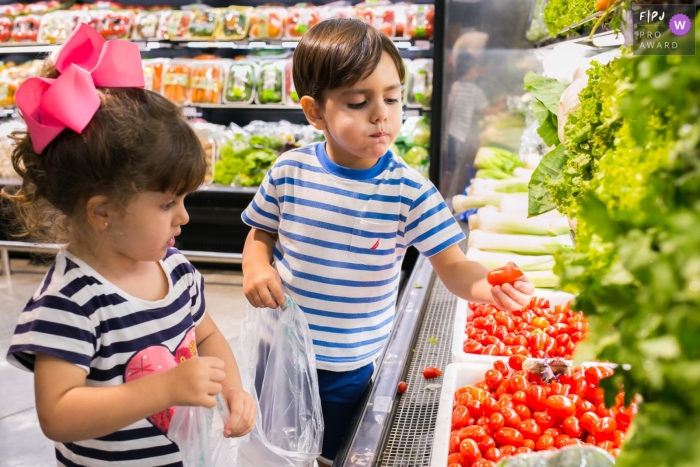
point(604, 37)
point(249, 106)
point(246, 44)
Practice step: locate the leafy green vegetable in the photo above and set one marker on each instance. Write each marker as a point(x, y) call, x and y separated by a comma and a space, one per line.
point(561, 14)
point(635, 191)
point(266, 142)
point(270, 84)
point(498, 160)
point(416, 156)
point(246, 166)
point(538, 28)
point(548, 172)
point(546, 90)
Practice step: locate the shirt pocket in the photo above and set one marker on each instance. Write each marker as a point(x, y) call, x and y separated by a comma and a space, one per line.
point(373, 242)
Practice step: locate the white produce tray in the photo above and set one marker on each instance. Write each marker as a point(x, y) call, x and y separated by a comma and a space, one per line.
point(555, 298)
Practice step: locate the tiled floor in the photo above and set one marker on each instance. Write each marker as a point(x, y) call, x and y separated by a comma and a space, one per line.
point(21, 442)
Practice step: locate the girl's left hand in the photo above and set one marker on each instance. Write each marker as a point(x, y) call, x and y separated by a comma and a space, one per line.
point(513, 297)
point(243, 412)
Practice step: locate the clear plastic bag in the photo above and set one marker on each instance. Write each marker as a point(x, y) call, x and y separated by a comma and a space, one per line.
point(199, 434)
point(569, 456)
point(277, 361)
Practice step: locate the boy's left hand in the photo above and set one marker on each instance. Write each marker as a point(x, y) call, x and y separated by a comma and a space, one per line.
point(513, 297)
point(243, 412)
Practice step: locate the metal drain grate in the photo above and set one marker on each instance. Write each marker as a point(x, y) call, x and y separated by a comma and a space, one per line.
point(410, 439)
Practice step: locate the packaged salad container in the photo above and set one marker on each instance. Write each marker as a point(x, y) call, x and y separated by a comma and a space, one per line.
point(205, 23)
point(175, 24)
point(153, 74)
point(235, 23)
point(26, 28)
point(271, 83)
point(206, 81)
point(176, 80)
point(420, 21)
point(116, 24)
point(420, 91)
point(58, 25)
point(268, 22)
point(290, 92)
point(300, 19)
point(241, 82)
point(5, 28)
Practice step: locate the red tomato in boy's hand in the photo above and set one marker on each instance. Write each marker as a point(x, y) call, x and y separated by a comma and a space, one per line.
point(506, 275)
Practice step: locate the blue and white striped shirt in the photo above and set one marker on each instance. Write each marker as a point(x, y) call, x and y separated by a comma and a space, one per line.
point(342, 235)
point(80, 317)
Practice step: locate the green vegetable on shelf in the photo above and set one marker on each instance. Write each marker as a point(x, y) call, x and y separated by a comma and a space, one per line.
point(270, 84)
point(240, 83)
point(501, 161)
point(416, 156)
point(204, 23)
point(562, 14)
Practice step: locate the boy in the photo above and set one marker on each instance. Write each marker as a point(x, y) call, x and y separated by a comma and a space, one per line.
point(335, 218)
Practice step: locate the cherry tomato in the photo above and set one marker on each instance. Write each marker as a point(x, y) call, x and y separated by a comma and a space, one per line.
point(506, 401)
point(519, 350)
point(473, 347)
point(501, 332)
point(553, 432)
point(523, 450)
point(572, 427)
point(595, 395)
point(456, 459)
point(590, 439)
point(470, 450)
point(518, 383)
point(454, 444)
point(507, 451)
point(523, 412)
point(463, 399)
point(559, 389)
point(530, 444)
point(560, 406)
point(502, 367)
point(402, 387)
point(516, 362)
point(530, 429)
point(493, 454)
point(490, 406)
point(454, 465)
point(483, 463)
point(584, 407)
point(511, 417)
point(520, 397)
point(576, 337)
point(561, 441)
point(509, 437)
point(494, 378)
point(504, 387)
point(543, 419)
point(614, 452)
point(604, 429)
point(475, 408)
point(623, 420)
point(619, 438)
point(536, 398)
point(431, 372)
point(483, 386)
point(497, 421)
point(540, 322)
point(474, 432)
point(606, 445)
point(508, 274)
point(544, 442)
point(603, 411)
point(486, 443)
point(493, 350)
point(505, 320)
point(460, 417)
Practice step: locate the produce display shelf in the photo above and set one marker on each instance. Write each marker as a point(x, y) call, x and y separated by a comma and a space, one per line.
point(604, 36)
point(246, 44)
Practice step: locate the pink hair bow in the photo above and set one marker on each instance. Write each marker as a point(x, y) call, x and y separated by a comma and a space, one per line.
point(86, 61)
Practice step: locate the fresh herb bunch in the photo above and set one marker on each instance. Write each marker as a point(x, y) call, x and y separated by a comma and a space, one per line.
point(636, 265)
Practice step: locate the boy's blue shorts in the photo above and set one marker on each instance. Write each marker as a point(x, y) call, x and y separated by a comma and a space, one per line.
point(340, 393)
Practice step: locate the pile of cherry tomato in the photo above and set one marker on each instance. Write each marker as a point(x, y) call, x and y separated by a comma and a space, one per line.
point(513, 411)
point(535, 331)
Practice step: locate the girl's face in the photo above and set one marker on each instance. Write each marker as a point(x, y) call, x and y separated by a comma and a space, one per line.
point(148, 226)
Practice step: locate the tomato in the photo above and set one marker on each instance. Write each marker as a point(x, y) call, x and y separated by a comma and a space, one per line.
point(506, 401)
point(576, 337)
point(544, 442)
point(572, 427)
point(507, 451)
point(614, 452)
point(490, 406)
point(509, 436)
point(497, 421)
point(530, 429)
point(523, 450)
point(474, 432)
point(502, 367)
point(516, 361)
point(501, 332)
point(470, 450)
point(402, 387)
point(560, 406)
point(587, 420)
point(590, 439)
point(518, 383)
point(604, 429)
point(454, 465)
point(519, 350)
point(623, 420)
point(536, 398)
point(493, 454)
point(483, 463)
point(543, 419)
point(508, 274)
point(486, 443)
point(561, 441)
point(483, 386)
point(512, 418)
point(431, 372)
point(529, 443)
point(553, 432)
point(456, 459)
point(473, 347)
point(584, 407)
point(483, 422)
point(528, 316)
point(493, 350)
point(606, 445)
point(523, 412)
point(539, 341)
point(595, 395)
point(559, 389)
point(504, 387)
point(494, 378)
point(454, 444)
point(460, 417)
point(540, 322)
point(463, 399)
point(475, 409)
point(593, 375)
point(619, 438)
point(603, 411)
point(520, 397)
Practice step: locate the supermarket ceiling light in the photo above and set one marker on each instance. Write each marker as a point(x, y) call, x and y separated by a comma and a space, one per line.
point(609, 40)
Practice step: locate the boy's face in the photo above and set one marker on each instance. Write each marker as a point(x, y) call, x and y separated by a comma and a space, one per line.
point(362, 121)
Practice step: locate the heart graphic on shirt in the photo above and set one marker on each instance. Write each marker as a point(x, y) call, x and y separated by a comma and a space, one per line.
point(157, 359)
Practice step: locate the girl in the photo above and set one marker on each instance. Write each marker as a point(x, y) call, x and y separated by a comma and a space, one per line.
point(117, 334)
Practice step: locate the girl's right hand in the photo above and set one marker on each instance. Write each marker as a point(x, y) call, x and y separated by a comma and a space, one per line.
point(196, 381)
point(262, 287)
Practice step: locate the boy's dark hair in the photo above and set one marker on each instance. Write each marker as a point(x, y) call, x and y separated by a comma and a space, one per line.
point(137, 141)
point(463, 63)
point(340, 52)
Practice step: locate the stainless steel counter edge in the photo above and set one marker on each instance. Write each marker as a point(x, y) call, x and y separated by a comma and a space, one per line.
point(367, 439)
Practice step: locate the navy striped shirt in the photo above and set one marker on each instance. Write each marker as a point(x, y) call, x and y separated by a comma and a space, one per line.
point(342, 235)
point(80, 317)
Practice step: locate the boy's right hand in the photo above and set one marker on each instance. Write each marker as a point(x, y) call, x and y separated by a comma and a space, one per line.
point(262, 287)
point(196, 381)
